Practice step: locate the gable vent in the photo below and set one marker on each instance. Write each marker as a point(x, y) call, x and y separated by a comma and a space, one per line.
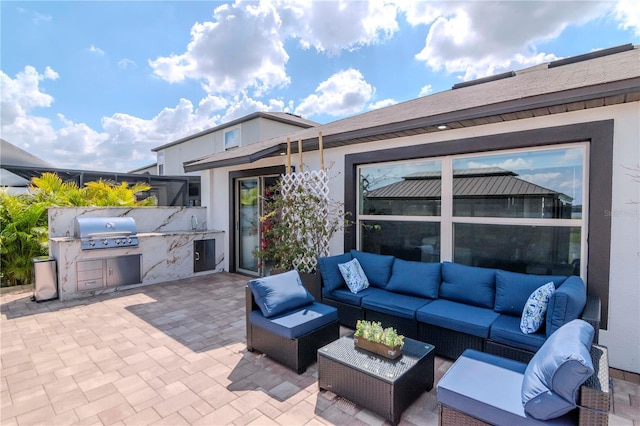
point(484, 80)
point(592, 55)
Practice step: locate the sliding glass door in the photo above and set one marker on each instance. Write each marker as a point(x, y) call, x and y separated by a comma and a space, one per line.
point(250, 196)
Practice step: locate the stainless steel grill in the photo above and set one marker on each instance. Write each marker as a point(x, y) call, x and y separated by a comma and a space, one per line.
point(106, 232)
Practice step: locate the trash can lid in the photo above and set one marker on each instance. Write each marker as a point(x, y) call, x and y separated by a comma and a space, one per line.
point(42, 259)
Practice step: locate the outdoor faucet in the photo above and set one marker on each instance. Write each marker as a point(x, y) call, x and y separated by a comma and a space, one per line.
point(194, 221)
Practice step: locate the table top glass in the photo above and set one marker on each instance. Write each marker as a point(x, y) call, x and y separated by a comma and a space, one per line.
point(344, 352)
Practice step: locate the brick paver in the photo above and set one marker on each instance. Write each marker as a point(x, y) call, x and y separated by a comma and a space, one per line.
point(174, 354)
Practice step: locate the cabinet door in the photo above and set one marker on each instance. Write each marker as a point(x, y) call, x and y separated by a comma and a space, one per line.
point(204, 255)
point(123, 270)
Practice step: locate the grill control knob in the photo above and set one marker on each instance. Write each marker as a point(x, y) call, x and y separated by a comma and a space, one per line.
point(105, 242)
point(92, 243)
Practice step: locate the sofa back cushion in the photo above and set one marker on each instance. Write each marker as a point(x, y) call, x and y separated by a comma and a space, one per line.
point(377, 267)
point(279, 293)
point(566, 303)
point(513, 289)
point(468, 284)
point(331, 276)
point(415, 278)
point(556, 372)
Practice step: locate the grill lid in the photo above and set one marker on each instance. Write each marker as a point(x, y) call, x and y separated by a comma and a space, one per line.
point(96, 227)
point(106, 232)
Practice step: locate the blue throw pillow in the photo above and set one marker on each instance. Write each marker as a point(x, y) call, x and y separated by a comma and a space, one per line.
point(556, 372)
point(468, 284)
point(354, 276)
point(377, 267)
point(513, 289)
point(279, 293)
point(331, 276)
point(415, 278)
point(536, 308)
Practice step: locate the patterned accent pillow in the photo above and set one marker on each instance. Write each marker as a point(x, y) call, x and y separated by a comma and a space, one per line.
point(534, 310)
point(354, 275)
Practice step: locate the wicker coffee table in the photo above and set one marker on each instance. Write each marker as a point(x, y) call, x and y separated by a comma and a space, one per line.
point(386, 387)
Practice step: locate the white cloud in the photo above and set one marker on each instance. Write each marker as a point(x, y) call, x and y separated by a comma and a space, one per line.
point(344, 93)
point(509, 164)
point(336, 25)
point(124, 141)
point(21, 95)
point(127, 64)
point(628, 13)
point(38, 17)
point(425, 90)
point(96, 50)
point(383, 103)
point(241, 49)
point(483, 38)
point(243, 105)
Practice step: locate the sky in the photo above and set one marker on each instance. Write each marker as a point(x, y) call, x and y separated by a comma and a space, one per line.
point(97, 85)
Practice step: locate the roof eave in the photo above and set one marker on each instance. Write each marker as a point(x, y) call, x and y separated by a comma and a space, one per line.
point(234, 161)
point(386, 131)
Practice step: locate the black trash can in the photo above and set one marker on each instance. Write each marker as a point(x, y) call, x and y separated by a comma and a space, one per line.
point(45, 277)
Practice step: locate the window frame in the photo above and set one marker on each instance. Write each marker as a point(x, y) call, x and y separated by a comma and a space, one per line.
point(448, 222)
point(598, 135)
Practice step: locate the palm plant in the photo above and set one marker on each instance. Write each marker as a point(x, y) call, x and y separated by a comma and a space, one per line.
point(23, 236)
point(24, 221)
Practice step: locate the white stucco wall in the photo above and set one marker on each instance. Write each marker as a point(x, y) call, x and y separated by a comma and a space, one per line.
point(623, 333)
point(251, 131)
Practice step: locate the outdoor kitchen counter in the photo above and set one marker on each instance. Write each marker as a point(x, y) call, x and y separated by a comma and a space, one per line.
point(164, 256)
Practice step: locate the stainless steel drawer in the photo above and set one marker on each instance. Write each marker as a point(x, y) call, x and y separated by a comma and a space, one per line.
point(94, 284)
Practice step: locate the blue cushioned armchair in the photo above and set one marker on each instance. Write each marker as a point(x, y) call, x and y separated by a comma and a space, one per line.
point(285, 322)
point(565, 383)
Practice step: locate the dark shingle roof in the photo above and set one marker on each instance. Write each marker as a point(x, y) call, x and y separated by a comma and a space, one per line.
point(535, 91)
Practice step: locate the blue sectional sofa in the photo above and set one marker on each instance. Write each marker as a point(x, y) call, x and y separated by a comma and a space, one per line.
point(453, 306)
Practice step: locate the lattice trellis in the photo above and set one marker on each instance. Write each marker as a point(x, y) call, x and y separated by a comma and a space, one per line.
point(307, 214)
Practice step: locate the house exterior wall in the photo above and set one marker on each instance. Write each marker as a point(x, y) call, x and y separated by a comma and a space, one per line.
point(623, 333)
point(251, 131)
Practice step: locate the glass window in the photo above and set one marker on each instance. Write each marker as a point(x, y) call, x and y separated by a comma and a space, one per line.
point(401, 189)
point(232, 138)
point(530, 249)
point(419, 241)
point(544, 184)
point(517, 210)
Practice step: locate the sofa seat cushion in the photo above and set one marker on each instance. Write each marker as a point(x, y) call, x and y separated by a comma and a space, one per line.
point(345, 295)
point(566, 303)
point(415, 278)
point(506, 330)
point(513, 289)
point(399, 305)
point(468, 284)
point(377, 267)
point(458, 317)
point(487, 387)
point(296, 323)
point(277, 294)
point(331, 276)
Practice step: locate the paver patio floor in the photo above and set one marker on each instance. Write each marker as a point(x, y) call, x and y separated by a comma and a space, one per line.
point(174, 354)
